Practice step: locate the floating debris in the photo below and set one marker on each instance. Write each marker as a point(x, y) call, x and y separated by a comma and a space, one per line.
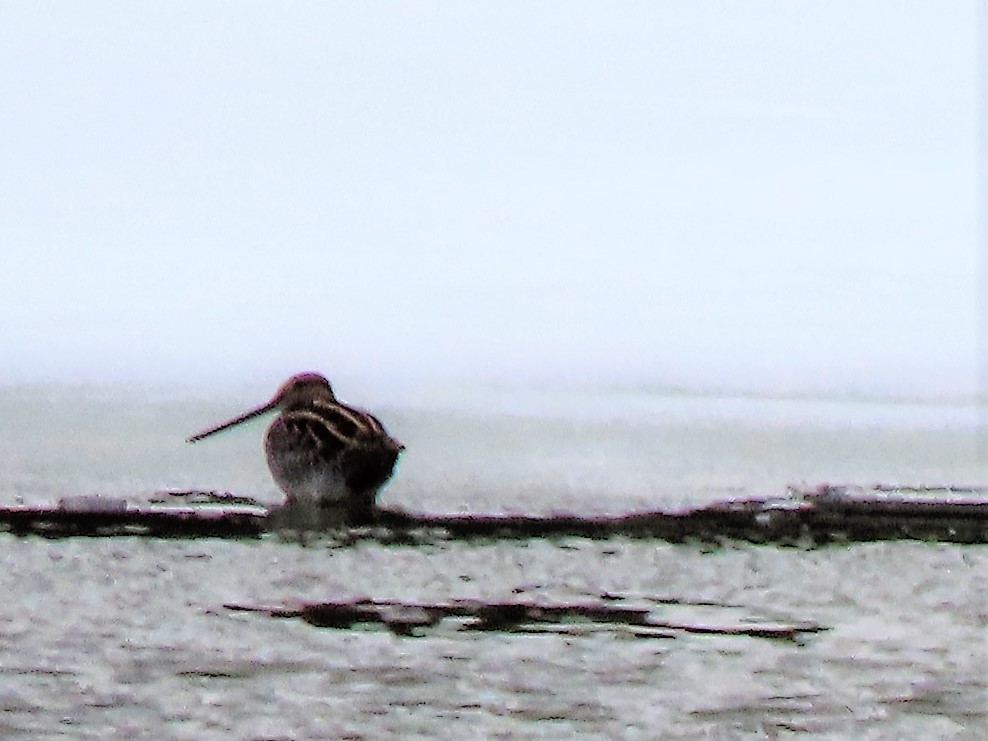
point(521, 616)
point(104, 516)
point(198, 497)
point(826, 514)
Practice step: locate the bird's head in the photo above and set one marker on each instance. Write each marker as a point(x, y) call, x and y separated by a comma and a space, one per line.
point(298, 390)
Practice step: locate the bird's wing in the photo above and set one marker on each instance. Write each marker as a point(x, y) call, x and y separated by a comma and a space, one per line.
point(309, 436)
point(356, 427)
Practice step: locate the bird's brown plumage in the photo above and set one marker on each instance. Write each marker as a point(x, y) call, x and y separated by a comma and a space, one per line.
point(323, 453)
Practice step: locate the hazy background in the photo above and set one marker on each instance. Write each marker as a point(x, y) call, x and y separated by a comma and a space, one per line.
point(749, 196)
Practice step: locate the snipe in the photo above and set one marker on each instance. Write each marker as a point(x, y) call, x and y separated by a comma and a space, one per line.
point(323, 454)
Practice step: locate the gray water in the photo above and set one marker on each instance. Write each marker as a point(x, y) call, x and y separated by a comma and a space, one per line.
point(129, 638)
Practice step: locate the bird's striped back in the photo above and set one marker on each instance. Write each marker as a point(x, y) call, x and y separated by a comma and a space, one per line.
point(328, 418)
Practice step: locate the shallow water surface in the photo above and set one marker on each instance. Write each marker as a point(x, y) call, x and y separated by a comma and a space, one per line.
point(128, 637)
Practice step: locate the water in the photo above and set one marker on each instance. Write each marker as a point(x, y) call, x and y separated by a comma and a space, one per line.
point(128, 637)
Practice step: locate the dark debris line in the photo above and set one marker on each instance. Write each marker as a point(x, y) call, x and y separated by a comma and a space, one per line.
point(164, 522)
point(411, 618)
point(824, 515)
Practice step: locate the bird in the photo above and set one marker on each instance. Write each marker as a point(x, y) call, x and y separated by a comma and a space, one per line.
point(323, 454)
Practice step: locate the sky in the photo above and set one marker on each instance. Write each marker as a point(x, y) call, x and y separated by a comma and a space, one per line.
point(776, 195)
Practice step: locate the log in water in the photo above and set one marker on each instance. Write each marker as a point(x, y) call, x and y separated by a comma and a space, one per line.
point(823, 515)
point(115, 517)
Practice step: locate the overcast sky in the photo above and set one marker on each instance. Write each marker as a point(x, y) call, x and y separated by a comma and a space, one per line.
point(712, 193)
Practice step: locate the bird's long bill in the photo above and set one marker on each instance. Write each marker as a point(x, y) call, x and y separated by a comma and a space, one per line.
point(246, 417)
